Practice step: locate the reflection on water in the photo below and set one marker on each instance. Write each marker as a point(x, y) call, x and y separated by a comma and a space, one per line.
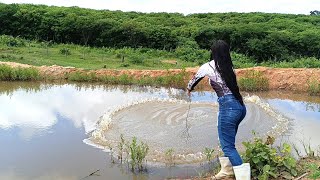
point(42, 128)
point(312, 107)
point(36, 109)
point(305, 112)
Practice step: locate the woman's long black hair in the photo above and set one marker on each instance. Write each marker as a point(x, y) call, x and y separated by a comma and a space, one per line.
point(220, 53)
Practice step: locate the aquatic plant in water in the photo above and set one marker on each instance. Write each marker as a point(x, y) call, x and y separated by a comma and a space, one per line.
point(169, 157)
point(209, 153)
point(138, 153)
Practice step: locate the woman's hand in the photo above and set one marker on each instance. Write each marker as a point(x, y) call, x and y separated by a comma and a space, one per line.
point(188, 92)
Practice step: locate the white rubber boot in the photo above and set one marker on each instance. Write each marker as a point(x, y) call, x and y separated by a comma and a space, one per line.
point(226, 169)
point(242, 172)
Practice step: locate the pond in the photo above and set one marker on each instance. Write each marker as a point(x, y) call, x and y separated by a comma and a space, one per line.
point(45, 128)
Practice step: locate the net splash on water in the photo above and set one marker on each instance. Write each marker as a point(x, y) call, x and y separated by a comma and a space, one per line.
point(163, 125)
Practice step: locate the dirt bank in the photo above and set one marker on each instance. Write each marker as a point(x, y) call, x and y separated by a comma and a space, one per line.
point(295, 79)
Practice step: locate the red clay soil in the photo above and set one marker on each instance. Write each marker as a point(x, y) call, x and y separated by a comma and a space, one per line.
point(295, 79)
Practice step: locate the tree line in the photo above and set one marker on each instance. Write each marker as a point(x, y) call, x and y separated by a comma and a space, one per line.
point(262, 36)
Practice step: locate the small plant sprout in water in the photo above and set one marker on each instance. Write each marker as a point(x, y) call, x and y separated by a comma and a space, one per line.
point(121, 147)
point(209, 154)
point(169, 157)
point(138, 153)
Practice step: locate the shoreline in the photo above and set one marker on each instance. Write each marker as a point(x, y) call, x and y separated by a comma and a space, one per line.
point(292, 79)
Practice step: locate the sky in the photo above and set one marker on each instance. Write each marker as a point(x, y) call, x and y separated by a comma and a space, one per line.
point(188, 6)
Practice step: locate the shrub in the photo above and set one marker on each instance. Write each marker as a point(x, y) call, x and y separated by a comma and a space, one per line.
point(242, 61)
point(12, 41)
point(136, 59)
point(310, 62)
point(65, 51)
point(8, 73)
point(192, 54)
point(266, 161)
point(169, 156)
point(253, 81)
point(82, 77)
point(138, 153)
point(313, 87)
point(124, 65)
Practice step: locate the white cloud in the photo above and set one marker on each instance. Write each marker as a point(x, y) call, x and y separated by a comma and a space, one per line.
point(35, 112)
point(189, 6)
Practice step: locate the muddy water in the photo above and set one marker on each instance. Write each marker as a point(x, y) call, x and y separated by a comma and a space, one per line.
point(187, 128)
point(43, 128)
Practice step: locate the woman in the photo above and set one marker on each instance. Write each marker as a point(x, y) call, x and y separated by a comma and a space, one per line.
point(231, 108)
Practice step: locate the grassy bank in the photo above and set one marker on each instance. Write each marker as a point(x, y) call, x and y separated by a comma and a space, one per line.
point(176, 80)
point(48, 53)
point(314, 86)
point(253, 81)
point(8, 73)
point(248, 80)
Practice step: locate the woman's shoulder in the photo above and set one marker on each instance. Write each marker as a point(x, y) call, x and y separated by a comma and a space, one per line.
point(212, 63)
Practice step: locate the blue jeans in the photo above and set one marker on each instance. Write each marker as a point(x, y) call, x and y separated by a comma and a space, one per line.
point(231, 113)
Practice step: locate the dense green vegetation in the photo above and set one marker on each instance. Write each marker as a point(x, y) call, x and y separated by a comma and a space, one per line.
point(8, 73)
point(253, 81)
point(266, 162)
point(42, 53)
point(313, 86)
point(177, 80)
point(259, 36)
point(170, 80)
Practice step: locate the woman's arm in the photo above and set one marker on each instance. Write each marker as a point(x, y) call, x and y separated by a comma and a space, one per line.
point(202, 72)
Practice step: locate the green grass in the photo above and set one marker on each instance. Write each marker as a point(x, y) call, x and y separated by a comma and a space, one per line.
point(313, 87)
point(314, 171)
point(177, 80)
point(310, 62)
point(36, 53)
point(46, 53)
point(8, 73)
point(253, 81)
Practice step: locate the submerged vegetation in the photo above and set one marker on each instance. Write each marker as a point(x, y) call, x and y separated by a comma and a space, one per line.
point(267, 161)
point(209, 154)
point(134, 152)
point(170, 157)
point(138, 153)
